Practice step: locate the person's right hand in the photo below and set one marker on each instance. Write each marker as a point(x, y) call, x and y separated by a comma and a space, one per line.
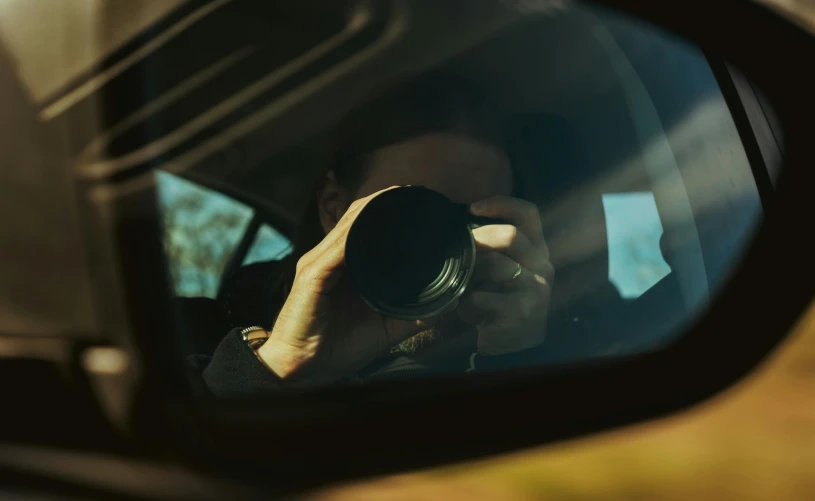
point(325, 331)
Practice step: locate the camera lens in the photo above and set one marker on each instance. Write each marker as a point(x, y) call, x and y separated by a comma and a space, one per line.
point(410, 252)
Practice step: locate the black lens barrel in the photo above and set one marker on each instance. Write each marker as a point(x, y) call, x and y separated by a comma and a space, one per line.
point(410, 253)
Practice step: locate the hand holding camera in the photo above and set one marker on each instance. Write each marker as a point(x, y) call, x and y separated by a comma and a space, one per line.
point(513, 278)
point(324, 330)
point(397, 261)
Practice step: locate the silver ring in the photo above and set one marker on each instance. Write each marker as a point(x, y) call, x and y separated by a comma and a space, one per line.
point(517, 272)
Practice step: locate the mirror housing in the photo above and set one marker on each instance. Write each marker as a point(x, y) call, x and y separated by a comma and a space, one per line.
point(337, 433)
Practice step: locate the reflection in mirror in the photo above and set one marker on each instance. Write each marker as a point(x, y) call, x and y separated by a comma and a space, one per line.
point(579, 190)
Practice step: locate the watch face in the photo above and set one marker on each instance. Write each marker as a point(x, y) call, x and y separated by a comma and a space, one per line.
point(255, 336)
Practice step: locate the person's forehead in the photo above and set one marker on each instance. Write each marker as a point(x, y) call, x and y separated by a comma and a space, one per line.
point(462, 168)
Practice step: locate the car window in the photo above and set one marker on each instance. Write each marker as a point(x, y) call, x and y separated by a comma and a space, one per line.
point(202, 231)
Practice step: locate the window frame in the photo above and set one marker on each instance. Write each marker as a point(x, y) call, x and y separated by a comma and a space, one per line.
point(749, 118)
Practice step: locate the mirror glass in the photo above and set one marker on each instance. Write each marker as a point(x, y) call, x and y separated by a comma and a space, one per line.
point(573, 187)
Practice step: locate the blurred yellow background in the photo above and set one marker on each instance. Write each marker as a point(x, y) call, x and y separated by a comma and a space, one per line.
point(754, 442)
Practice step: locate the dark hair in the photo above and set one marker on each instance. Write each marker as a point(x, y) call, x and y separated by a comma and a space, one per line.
point(434, 102)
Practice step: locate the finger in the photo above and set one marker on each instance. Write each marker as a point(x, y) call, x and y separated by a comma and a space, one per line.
point(329, 255)
point(339, 233)
point(495, 272)
point(509, 240)
point(337, 236)
point(520, 213)
point(546, 274)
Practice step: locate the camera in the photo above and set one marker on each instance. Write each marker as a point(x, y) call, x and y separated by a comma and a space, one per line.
point(410, 253)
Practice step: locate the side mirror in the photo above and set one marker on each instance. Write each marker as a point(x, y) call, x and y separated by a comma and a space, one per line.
point(654, 164)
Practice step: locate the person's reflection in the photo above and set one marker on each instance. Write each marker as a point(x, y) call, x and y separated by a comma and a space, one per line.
point(437, 132)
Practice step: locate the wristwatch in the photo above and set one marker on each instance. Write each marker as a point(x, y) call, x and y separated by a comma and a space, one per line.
point(255, 337)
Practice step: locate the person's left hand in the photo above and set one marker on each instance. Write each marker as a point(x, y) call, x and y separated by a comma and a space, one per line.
point(512, 282)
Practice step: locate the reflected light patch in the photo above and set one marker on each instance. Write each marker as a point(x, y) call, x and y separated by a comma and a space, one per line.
point(635, 261)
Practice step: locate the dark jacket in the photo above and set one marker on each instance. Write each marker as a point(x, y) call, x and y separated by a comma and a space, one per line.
point(234, 370)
